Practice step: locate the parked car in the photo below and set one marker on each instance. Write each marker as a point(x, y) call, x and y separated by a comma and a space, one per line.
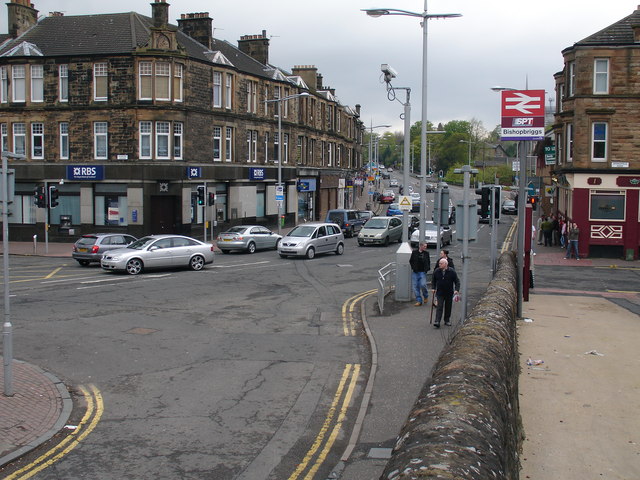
point(430, 235)
point(393, 183)
point(509, 207)
point(381, 231)
point(248, 238)
point(348, 220)
point(90, 247)
point(311, 239)
point(388, 196)
point(159, 251)
point(393, 209)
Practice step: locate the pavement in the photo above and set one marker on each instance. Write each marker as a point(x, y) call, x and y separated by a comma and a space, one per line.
point(579, 389)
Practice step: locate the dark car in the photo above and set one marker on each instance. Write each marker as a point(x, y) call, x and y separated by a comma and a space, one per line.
point(348, 220)
point(89, 248)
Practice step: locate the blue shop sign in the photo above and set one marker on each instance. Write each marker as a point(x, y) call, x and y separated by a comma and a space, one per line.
point(194, 172)
point(307, 185)
point(257, 174)
point(85, 172)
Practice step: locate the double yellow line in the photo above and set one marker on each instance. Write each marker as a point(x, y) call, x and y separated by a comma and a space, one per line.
point(95, 408)
point(331, 427)
point(509, 238)
point(348, 308)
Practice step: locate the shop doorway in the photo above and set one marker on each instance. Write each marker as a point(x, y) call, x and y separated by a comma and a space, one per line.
point(163, 215)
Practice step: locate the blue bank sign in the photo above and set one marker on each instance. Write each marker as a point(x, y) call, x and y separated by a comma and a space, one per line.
point(85, 172)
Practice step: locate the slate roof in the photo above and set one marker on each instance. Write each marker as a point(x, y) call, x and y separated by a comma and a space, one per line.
point(117, 34)
point(619, 33)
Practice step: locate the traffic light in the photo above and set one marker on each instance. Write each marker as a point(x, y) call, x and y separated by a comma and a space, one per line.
point(40, 197)
point(53, 196)
point(212, 199)
point(484, 201)
point(533, 200)
point(496, 201)
point(201, 189)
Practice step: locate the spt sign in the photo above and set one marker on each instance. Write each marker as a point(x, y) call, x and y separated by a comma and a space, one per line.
point(522, 115)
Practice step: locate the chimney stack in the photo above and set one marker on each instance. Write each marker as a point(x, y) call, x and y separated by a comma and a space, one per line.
point(308, 73)
point(256, 46)
point(198, 26)
point(21, 17)
point(160, 13)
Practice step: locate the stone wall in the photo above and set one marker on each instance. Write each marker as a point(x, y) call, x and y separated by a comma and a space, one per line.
point(466, 422)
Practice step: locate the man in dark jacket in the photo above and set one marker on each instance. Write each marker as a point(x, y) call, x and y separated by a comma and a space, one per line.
point(445, 284)
point(420, 264)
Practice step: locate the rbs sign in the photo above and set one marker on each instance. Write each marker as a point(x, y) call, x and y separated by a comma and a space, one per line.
point(84, 172)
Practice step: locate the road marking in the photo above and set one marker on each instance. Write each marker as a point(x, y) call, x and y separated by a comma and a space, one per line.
point(95, 408)
point(348, 307)
point(54, 272)
point(233, 265)
point(350, 370)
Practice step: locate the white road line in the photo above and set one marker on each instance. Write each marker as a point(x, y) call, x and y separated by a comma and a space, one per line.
point(233, 265)
point(74, 279)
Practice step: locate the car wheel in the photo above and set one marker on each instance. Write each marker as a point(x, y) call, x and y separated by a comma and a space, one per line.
point(386, 241)
point(311, 253)
point(134, 266)
point(251, 248)
point(196, 263)
point(277, 244)
point(84, 263)
point(340, 249)
point(350, 233)
point(224, 251)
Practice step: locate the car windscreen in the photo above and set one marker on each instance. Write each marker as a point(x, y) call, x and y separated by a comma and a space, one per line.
point(380, 223)
point(236, 230)
point(336, 218)
point(85, 241)
point(302, 231)
point(142, 243)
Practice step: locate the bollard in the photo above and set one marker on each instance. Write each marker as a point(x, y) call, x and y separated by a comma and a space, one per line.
point(7, 356)
point(35, 244)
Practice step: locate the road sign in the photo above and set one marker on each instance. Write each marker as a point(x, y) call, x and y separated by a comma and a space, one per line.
point(522, 115)
point(405, 203)
point(531, 189)
point(279, 193)
point(550, 155)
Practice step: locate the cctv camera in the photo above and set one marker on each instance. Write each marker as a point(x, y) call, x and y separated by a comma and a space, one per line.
point(389, 72)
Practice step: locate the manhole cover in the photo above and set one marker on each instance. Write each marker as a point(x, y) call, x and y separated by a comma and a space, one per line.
point(142, 331)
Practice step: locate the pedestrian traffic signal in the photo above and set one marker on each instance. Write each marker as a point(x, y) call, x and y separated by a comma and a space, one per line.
point(533, 200)
point(39, 197)
point(484, 201)
point(201, 189)
point(53, 196)
point(496, 201)
point(212, 199)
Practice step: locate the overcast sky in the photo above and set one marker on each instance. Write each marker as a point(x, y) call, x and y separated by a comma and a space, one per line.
point(495, 42)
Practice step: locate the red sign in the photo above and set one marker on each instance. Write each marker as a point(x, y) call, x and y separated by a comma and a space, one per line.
point(523, 103)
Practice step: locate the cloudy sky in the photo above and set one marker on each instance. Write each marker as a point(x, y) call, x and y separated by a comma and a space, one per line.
point(511, 43)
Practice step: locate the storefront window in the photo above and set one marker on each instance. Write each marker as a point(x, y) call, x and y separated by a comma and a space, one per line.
point(111, 206)
point(68, 204)
point(607, 206)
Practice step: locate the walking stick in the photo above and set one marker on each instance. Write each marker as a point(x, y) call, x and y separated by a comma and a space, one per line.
point(431, 314)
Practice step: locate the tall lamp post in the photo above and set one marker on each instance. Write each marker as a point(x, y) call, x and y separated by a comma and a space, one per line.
point(469, 156)
point(371, 153)
point(280, 198)
point(379, 12)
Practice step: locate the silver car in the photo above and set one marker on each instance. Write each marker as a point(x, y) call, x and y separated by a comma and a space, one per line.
point(247, 238)
point(91, 247)
point(380, 231)
point(159, 251)
point(310, 239)
point(431, 235)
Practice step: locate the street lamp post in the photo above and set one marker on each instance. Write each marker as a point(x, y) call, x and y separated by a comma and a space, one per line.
point(279, 186)
point(469, 156)
point(379, 12)
point(371, 154)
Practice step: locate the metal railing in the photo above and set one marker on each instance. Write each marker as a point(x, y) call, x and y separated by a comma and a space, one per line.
point(386, 283)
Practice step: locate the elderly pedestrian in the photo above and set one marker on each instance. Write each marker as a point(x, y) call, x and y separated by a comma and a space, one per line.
point(445, 284)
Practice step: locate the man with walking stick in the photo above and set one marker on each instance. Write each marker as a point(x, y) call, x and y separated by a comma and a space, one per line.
point(445, 284)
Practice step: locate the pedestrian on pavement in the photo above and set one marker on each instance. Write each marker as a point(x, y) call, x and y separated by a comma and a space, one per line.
point(445, 254)
point(573, 235)
point(555, 230)
point(420, 262)
point(445, 284)
point(539, 228)
point(563, 233)
point(533, 238)
point(547, 231)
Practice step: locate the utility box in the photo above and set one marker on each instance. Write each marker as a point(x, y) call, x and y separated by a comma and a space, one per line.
point(65, 222)
point(403, 273)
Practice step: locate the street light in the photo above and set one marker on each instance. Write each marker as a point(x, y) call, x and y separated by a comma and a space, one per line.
point(280, 202)
point(370, 152)
point(467, 141)
point(379, 12)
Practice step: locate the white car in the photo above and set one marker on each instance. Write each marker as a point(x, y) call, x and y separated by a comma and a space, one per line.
point(430, 235)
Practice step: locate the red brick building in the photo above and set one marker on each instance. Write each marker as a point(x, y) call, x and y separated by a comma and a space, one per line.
point(597, 139)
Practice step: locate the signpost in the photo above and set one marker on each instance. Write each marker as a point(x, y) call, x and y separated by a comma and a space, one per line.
point(522, 115)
